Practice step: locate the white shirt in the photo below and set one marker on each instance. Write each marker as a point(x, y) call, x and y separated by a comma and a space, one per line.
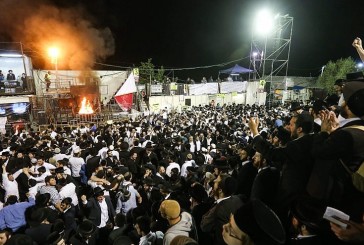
point(67, 170)
point(184, 167)
point(144, 238)
point(41, 178)
point(103, 152)
point(76, 164)
point(33, 191)
point(69, 190)
point(60, 156)
point(221, 199)
point(10, 187)
point(172, 166)
point(104, 213)
point(47, 166)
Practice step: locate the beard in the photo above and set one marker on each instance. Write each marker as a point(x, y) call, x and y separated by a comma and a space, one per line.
point(294, 135)
point(344, 112)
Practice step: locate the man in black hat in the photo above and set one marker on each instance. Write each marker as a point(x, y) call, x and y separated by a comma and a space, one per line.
point(254, 223)
point(10, 76)
point(296, 108)
point(338, 87)
point(200, 205)
point(39, 228)
point(337, 146)
point(307, 222)
point(295, 158)
point(147, 193)
point(86, 234)
point(265, 184)
point(101, 211)
point(225, 204)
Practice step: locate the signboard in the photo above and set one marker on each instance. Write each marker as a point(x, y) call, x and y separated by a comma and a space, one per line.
point(229, 87)
point(173, 86)
point(204, 88)
point(156, 89)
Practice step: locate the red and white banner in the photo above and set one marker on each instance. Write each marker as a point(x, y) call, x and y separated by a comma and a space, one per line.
point(124, 97)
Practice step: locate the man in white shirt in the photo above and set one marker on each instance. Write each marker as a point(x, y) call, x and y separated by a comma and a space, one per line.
point(76, 163)
point(42, 163)
point(172, 165)
point(68, 190)
point(9, 183)
point(58, 155)
point(188, 163)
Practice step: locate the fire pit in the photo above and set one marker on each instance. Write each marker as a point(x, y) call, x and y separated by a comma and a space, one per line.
point(86, 108)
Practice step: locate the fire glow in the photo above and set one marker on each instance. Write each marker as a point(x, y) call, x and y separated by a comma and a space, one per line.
point(86, 107)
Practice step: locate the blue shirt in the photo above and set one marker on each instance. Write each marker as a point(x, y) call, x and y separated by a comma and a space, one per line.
point(13, 216)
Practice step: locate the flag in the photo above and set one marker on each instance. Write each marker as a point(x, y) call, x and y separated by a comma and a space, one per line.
point(124, 97)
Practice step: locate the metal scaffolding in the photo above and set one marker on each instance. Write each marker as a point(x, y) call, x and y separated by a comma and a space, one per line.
point(269, 55)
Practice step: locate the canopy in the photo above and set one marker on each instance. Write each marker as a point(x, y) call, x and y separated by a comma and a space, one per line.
point(236, 70)
point(297, 87)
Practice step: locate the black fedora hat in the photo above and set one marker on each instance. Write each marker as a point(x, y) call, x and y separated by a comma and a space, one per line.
point(295, 105)
point(260, 223)
point(98, 191)
point(148, 181)
point(221, 164)
point(86, 228)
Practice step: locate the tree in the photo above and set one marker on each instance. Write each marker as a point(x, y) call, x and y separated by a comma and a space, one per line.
point(335, 70)
point(148, 72)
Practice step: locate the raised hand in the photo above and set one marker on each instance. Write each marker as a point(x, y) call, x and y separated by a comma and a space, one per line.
point(253, 125)
point(357, 43)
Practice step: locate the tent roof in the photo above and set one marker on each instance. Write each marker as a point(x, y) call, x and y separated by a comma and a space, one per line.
point(236, 70)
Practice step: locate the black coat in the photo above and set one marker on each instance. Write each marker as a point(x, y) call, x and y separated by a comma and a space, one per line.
point(265, 186)
point(69, 221)
point(94, 210)
point(329, 180)
point(296, 162)
point(245, 179)
point(219, 215)
point(39, 233)
point(91, 165)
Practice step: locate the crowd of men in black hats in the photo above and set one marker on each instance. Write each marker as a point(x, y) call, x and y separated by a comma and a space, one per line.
point(234, 174)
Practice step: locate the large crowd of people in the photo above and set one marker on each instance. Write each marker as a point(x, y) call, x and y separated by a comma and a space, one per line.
point(226, 174)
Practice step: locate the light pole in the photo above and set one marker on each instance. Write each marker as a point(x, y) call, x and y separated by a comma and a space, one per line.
point(271, 38)
point(54, 53)
point(254, 55)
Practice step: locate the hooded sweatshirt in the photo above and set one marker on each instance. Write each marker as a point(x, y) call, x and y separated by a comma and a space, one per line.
point(183, 227)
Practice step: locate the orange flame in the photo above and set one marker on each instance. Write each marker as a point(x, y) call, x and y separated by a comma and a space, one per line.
point(86, 107)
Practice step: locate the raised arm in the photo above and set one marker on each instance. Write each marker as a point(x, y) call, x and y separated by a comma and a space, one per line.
point(357, 44)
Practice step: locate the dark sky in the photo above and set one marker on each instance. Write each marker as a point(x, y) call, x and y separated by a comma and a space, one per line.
point(193, 33)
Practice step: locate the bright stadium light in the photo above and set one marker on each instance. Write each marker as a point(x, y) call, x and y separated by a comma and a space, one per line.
point(264, 22)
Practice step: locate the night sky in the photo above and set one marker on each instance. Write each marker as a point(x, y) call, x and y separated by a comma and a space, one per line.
point(193, 33)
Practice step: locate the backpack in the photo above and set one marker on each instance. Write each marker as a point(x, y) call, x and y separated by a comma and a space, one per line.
point(157, 238)
point(123, 194)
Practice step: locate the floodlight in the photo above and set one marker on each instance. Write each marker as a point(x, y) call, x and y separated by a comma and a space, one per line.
point(264, 22)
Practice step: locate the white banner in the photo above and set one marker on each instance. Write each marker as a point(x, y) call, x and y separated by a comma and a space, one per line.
point(228, 87)
point(204, 88)
point(3, 121)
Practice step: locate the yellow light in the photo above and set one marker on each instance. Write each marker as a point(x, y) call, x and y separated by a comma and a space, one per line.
point(53, 52)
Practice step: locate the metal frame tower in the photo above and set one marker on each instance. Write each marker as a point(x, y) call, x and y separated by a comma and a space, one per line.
point(269, 54)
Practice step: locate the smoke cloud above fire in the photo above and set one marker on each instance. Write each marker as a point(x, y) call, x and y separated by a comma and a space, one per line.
point(39, 25)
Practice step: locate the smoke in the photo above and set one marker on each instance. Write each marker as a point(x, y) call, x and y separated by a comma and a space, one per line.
point(40, 25)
